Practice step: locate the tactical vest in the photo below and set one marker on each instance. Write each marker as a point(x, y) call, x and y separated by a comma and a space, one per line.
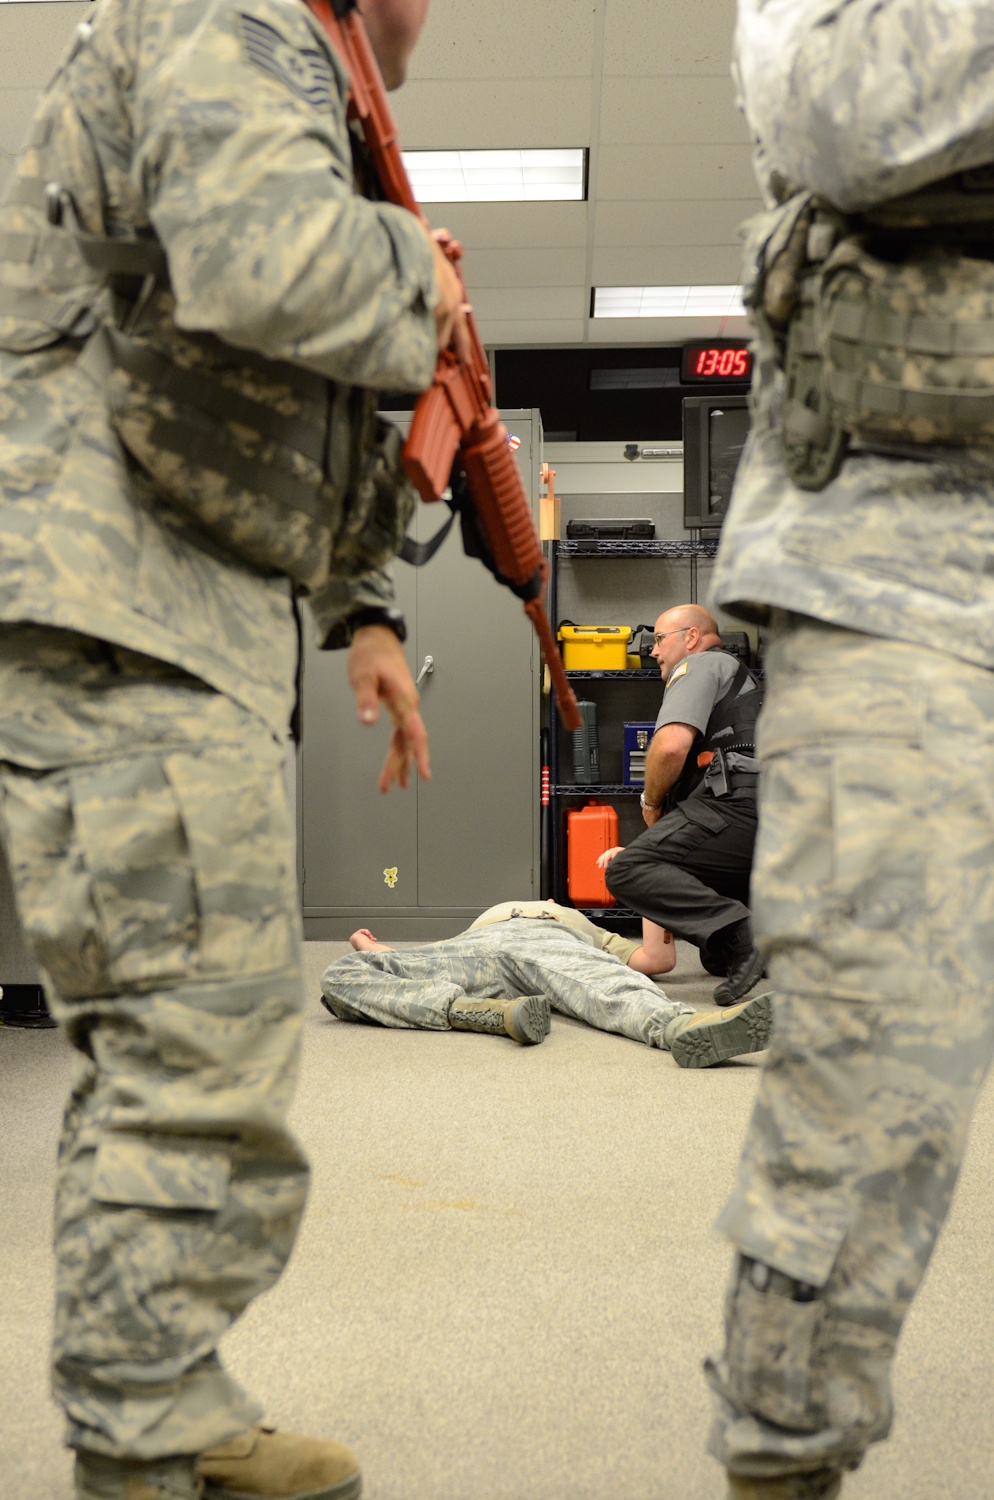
point(723, 758)
point(886, 326)
point(282, 468)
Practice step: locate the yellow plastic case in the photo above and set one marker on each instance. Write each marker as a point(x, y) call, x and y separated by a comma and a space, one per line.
point(595, 648)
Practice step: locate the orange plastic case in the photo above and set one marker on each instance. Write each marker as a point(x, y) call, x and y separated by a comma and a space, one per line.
point(589, 831)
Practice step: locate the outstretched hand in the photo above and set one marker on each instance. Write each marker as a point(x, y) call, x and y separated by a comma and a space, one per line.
point(378, 673)
point(603, 860)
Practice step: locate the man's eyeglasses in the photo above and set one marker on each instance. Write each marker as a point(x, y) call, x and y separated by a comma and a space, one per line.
point(682, 631)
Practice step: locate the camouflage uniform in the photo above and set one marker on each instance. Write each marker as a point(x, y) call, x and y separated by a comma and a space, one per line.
point(872, 888)
point(147, 666)
point(414, 987)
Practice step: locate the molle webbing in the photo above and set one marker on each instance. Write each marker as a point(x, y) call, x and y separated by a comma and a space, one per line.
point(201, 438)
point(306, 434)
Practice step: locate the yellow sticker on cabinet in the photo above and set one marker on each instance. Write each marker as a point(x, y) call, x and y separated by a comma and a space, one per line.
point(390, 876)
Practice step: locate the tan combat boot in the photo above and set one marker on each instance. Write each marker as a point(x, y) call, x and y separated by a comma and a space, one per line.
point(822, 1484)
point(263, 1464)
point(526, 1019)
point(713, 1036)
point(100, 1478)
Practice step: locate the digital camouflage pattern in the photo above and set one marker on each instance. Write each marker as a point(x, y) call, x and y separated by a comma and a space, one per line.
point(145, 821)
point(871, 890)
point(429, 987)
point(899, 545)
point(874, 907)
point(414, 987)
point(220, 129)
point(864, 100)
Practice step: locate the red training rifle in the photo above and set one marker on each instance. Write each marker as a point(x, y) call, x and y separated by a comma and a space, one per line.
point(454, 422)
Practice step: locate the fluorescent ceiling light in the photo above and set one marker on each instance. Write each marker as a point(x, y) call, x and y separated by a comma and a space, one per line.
point(668, 302)
point(497, 176)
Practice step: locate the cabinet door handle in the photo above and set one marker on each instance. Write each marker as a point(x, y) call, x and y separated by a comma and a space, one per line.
point(427, 667)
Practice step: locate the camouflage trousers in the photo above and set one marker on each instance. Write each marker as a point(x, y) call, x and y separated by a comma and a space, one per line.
point(414, 987)
point(873, 897)
point(145, 821)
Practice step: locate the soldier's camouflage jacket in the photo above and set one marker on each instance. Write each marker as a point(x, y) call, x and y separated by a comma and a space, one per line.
point(132, 494)
point(861, 101)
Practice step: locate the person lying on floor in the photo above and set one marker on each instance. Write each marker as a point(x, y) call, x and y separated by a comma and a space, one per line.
point(516, 961)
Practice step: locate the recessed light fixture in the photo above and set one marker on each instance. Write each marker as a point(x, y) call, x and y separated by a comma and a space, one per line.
point(668, 302)
point(497, 176)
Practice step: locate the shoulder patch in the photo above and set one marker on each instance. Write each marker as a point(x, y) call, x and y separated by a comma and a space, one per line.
point(304, 70)
point(679, 671)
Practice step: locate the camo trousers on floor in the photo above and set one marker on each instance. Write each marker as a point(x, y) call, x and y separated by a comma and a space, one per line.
point(873, 896)
point(145, 821)
point(414, 987)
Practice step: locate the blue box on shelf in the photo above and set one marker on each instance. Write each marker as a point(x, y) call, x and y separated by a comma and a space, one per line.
point(637, 737)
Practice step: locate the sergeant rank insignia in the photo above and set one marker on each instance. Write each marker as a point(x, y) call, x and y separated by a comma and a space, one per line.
point(305, 70)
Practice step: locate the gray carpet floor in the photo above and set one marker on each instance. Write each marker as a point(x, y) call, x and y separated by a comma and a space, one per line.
point(507, 1274)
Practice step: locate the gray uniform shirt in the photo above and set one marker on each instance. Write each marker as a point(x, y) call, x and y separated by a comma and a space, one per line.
point(860, 102)
point(694, 687)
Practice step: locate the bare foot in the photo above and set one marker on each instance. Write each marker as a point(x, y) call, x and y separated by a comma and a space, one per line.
point(363, 941)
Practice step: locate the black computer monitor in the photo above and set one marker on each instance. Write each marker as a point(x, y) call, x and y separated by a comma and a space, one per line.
point(714, 433)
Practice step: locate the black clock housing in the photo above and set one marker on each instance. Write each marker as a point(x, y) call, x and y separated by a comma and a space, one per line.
point(716, 362)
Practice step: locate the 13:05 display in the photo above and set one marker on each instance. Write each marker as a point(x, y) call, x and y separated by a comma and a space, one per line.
point(717, 362)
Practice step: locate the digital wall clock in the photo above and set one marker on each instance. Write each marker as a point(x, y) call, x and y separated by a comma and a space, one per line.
point(716, 362)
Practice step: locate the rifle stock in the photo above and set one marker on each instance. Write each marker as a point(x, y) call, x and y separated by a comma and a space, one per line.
point(454, 420)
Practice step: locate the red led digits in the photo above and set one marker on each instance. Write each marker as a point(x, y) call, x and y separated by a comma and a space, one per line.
point(716, 362)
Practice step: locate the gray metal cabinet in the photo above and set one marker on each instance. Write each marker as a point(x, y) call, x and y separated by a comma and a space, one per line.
point(421, 864)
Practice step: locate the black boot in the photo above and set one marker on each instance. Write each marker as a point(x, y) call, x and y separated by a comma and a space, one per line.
point(745, 964)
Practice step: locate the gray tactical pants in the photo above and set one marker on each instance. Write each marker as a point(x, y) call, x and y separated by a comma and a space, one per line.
point(414, 987)
point(145, 821)
point(873, 897)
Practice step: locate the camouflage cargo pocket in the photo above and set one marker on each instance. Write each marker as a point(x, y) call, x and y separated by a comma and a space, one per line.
point(775, 1356)
point(839, 886)
point(137, 1173)
point(155, 871)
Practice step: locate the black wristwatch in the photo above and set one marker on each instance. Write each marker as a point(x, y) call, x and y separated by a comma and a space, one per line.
point(377, 614)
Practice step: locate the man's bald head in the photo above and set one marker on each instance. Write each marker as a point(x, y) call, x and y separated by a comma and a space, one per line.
point(683, 631)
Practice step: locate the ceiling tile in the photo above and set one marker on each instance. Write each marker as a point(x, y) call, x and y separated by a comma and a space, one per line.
point(496, 226)
point(665, 330)
point(495, 112)
point(36, 37)
point(16, 108)
point(669, 265)
point(529, 267)
point(675, 37)
point(686, 221)
point(670, 111)
point(520, 303)
point(531, 332)
point(693, 172)
point(468, 41)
